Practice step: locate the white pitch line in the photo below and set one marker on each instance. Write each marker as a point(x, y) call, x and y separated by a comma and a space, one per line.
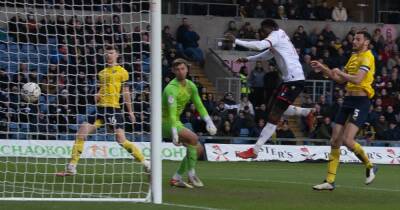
point(39, 190)
point(311, 184)
point(91, 195)
point(189, 206)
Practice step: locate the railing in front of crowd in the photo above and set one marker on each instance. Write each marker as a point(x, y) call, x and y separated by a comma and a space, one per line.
point(313, 88)
point(316, 88)
point(193, 7)
point(229, 85)
point(222, 62)
point(291, 141)
point(215, 68)
point(387, 12)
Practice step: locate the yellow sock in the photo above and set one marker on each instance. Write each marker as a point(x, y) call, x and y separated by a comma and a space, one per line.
point(77, 150)
point(360, 153)
point(131, 148)
point(333, 165)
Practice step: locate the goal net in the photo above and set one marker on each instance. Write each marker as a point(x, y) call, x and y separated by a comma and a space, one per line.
point(60, 45)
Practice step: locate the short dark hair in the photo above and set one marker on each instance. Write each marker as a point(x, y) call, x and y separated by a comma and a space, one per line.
point(270, 23)
point(366, 35)
point(178, 62)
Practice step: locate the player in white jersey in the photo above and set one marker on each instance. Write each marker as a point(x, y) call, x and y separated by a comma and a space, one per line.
point(277, 45)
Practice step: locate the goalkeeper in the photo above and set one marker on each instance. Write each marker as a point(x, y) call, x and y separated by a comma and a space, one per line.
point(108, 112)
point(175, 97)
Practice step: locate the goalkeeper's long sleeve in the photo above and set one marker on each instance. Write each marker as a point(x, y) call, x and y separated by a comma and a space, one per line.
point(197, 101)
point(172, 106)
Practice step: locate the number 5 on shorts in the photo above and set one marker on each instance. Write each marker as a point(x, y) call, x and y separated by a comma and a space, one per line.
point(355, 115)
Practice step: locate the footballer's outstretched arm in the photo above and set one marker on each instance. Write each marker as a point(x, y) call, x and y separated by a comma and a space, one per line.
point(254, 45)
point(267, 55)
point(356, 78)
point(332, 74)
point(210, 127)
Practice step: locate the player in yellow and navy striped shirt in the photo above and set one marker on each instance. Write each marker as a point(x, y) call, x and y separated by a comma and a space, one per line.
point(108, 111)
point(358, 75)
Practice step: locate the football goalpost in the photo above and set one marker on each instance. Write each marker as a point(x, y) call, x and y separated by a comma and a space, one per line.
point(60, 46)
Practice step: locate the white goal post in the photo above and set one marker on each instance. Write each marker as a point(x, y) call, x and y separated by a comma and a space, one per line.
point(156, 135)
point(60, 46)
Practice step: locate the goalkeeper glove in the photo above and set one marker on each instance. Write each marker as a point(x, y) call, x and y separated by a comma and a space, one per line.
point(210, 126)
point(175, 137)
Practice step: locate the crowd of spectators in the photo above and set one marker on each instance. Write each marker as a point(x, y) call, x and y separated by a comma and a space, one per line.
point(69, 84)
point(304, 10)
point(184, 44)
point(277, 9)
point(116, 6)
point(324, 45)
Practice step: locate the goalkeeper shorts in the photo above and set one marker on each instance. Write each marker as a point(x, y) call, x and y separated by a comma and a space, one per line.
point(167, 126)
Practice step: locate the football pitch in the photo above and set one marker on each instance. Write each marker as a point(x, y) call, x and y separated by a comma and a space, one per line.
point(235, 185)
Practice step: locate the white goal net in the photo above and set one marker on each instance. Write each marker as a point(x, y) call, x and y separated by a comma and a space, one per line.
point(60, 45)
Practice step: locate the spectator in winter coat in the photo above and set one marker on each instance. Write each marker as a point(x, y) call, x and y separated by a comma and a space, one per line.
point(285, 132)
point(256, 83)
point(339, 13)
point(191, 47)
point(324, 129)
point(324, 12)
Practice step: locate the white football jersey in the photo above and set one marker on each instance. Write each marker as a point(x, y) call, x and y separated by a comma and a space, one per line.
point(285, 55)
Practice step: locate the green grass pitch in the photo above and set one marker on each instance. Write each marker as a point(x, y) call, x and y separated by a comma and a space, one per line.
point(229, 185)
